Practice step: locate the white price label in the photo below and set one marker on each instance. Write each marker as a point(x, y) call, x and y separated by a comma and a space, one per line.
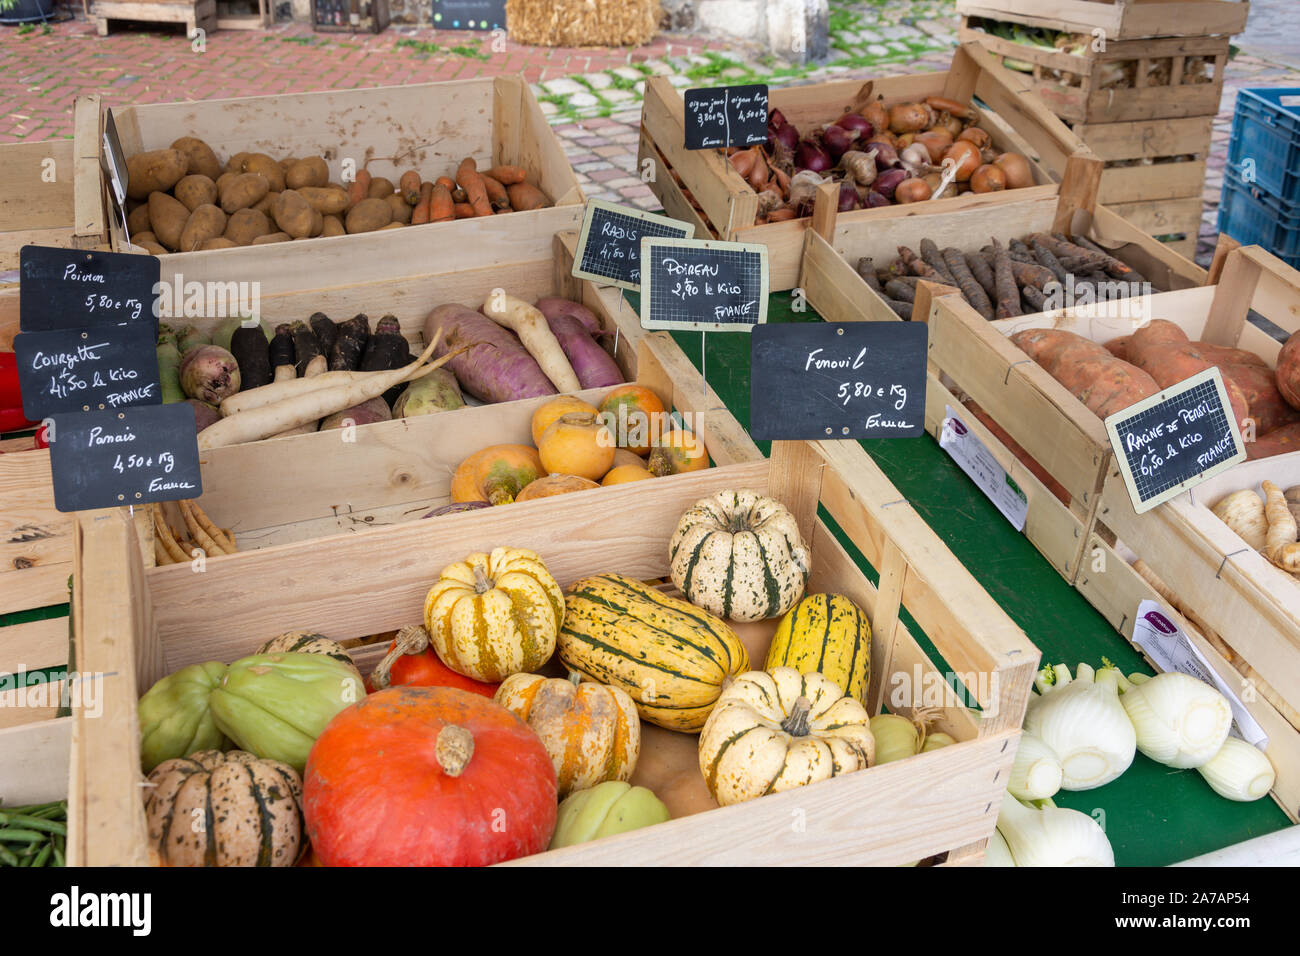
point(982, 468)
point(1166, 644)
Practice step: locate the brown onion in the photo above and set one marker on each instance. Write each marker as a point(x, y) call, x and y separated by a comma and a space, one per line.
point(949, 106)
point(909, 117)
point(911, 190)
point(936, 141)
point(743, 162)
point(988, 179)
point(1017, 170)
point(877, 115)
point(948, 122)
point(967, 157)
point(979, 137)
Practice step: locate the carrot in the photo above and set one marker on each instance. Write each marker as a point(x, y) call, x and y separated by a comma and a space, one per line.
point(535, 333)
point(409, 187)
point(900, 291)
point(526, 196)
point(1030, 273)
point(1004, 279)
point(867, 269)
point(360, 188)
point(970, 289)
point(1033, 297)
point(979, 268)
point(164, 534)
point(468, 179)
point(507, 175)
point(919, 267)
point(1048, 260)
point(441, 208)
point(935, 260)
point(464, 211)
point(200, 536)
point(496, 192)
point(420, 214)
point(447, 182)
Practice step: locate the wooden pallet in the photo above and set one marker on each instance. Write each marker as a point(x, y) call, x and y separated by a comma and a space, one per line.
point(1118, 19)
point(701, 187)
point(194, 14)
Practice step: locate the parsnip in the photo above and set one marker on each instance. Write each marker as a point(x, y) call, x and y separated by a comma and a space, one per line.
point(536, 335)
point(1243, 512)
point(1282, 548)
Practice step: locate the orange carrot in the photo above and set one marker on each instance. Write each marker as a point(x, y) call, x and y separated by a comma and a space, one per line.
point(448, 182)
point(441, 207)
point(360, 187)
point(507, 175)
point(465, 211)
point(526, 196)
point(409, 185)
point(468, 179)
point(496, 192)
point(420, 213)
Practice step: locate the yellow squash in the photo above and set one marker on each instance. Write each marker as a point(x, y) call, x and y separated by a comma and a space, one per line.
point(829, 634)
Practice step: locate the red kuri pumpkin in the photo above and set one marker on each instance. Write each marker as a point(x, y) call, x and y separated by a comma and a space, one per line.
point(428, 776)
point(411, 661)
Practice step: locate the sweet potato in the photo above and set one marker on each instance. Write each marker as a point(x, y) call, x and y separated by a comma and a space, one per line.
point(524, 196)
point(155, 171)
point(1225, 355)
point(310, 172)
point(369, 215)
point(1277, 442)
point(1263, 397)
point(1288, 370)
point(196, 190)
point(574, 326)
point(205, 222)
point(497, 368)
point(1163, 350)
point(245, 225)
point(1118, 347)
point(1087, 370)
point(243, 190)
point(199, 155)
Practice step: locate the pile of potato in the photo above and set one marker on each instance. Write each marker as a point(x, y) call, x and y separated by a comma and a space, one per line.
point(182, 199)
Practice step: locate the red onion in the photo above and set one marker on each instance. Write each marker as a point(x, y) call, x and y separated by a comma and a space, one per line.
point(856, 122)
point(776, 119)
point(886, 155)
point(786, 135)
point(849, 198)
point(808, 155)
point(888, 181)
point(875, 200)
point(837, 141)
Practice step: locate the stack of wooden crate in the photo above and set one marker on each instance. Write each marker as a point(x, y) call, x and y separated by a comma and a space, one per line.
point(1138, 81)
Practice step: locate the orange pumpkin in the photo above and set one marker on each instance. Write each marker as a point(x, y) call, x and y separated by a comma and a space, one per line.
point(549, 412)
point(577, 444)
point(412, 661)
point(555, 485)
point(496, 474)
point(677, 452)
point(635, 416)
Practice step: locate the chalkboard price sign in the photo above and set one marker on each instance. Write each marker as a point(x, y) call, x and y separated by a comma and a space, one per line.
point(726, 116)
point(843, 380)
point(703, 284)
point(77, 289)
point(469, 14)
point(131, 456)
point(609, 247)
point(1172, 441)
point(73, 370)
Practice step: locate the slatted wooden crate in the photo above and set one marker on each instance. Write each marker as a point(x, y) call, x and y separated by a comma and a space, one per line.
point(728, 206)
point(1119, 19)
point(350, 586)
point(971, 357)
point(429, 127)
point(194, 15)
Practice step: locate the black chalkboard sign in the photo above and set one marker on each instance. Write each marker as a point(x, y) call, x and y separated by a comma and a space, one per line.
point(726, 116)
point(703, 284)
point(77, 289)
point(73, 370)
point(843, 380)
point(127, 457)
point(469, 14)
point(609, 246)
point(1169, 442)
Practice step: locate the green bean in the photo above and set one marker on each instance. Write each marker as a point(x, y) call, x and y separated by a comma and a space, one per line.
point(43, 857)
point(7, 856)
point(13, 835)
point(58, 856)
point(33, 823)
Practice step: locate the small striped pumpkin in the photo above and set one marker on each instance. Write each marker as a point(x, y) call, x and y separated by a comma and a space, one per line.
point(669, 655)
point(590, 730)
point(739, 555)
point(306, 642)
point(777, 730)
point(225, 809)
point(491, 616)
point(828, 634)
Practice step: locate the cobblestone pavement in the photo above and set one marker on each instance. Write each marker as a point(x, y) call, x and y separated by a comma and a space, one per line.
point(592, 95)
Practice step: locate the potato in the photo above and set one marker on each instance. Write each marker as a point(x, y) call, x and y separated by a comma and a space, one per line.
point(392, 225)
point(223, 179)
point(196, 190)
point(243, 191)
point(205, 222)
point(245, 225)
point(288, 163)
point(326, 200)
point(145, 236)
point(317, 222)
point(307, 172)
point(137, 220)
point(264, 204)
point(168, 216)
point(272, 237)
point(333, 226)
point(203, 160)
point(292, 214)
point(369, 215)
point(268, 168)
point(236, 163)
point(159, 169)
point(152, 247)
point(216, 242)
point(401, 210)
point(381, 188)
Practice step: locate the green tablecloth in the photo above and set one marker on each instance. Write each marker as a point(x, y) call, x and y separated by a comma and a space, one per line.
point(1152, 814)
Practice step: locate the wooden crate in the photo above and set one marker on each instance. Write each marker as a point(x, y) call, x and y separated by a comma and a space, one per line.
point(946, 800)
point(1150, 160)
point(728, 206)
point(1244, 609)
point(51, 194)
point(194, 14)
point(971, 357)
point(35, 742)
point(429, 127)
point(1121, 19)
point(1077, 87)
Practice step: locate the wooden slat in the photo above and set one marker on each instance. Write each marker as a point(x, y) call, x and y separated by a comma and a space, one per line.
point(1162, 217)
point(1161, 181)
point(88, 183)
point(34, 762)
point(666, 189)
point(1148, 139)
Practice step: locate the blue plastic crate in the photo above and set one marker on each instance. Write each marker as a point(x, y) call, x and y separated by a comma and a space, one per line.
point(1253, 217)
point(1267, 132)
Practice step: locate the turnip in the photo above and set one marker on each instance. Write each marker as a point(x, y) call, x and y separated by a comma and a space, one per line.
point(204, 414)
point(437, 392)
point(209, 373)
point(367, 413)
point(497, 368)
point(574, 327)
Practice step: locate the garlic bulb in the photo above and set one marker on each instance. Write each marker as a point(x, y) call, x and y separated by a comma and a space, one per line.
point(1053, 836)
point(1180, 721)
point(997, 853)
point(1082, 720)
point(1239, 771)
point(1036, 773)
point(1243, 512)
point(803, 187)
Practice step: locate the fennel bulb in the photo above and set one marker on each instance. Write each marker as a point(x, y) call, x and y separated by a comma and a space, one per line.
point(1180, 721)
point(1239, 771)
point(997, 853)
point(1053, 836)
point(1036, 773)
point(1081, 719)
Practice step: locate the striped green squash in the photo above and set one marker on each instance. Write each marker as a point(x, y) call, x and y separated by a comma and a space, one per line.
point(826, 634)
point(306, 642)
point(739, 555)
point(670, 656)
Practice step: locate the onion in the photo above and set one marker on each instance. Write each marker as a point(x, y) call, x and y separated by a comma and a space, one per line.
point(888, 181)
point(875, 200)
point(776, 119)
point(988, 179)
point(886, 154)
point(936, 141)
point(967, 157)
point(910, 118)
point(856, 123)
point(876, 115)
point(911, 190)
point(848, 198)
point(916, 159)
point(808, 155)
point(1016, 168)
point(786, 135)
point(977, 136)
point(837, 141)
point(803, 187)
